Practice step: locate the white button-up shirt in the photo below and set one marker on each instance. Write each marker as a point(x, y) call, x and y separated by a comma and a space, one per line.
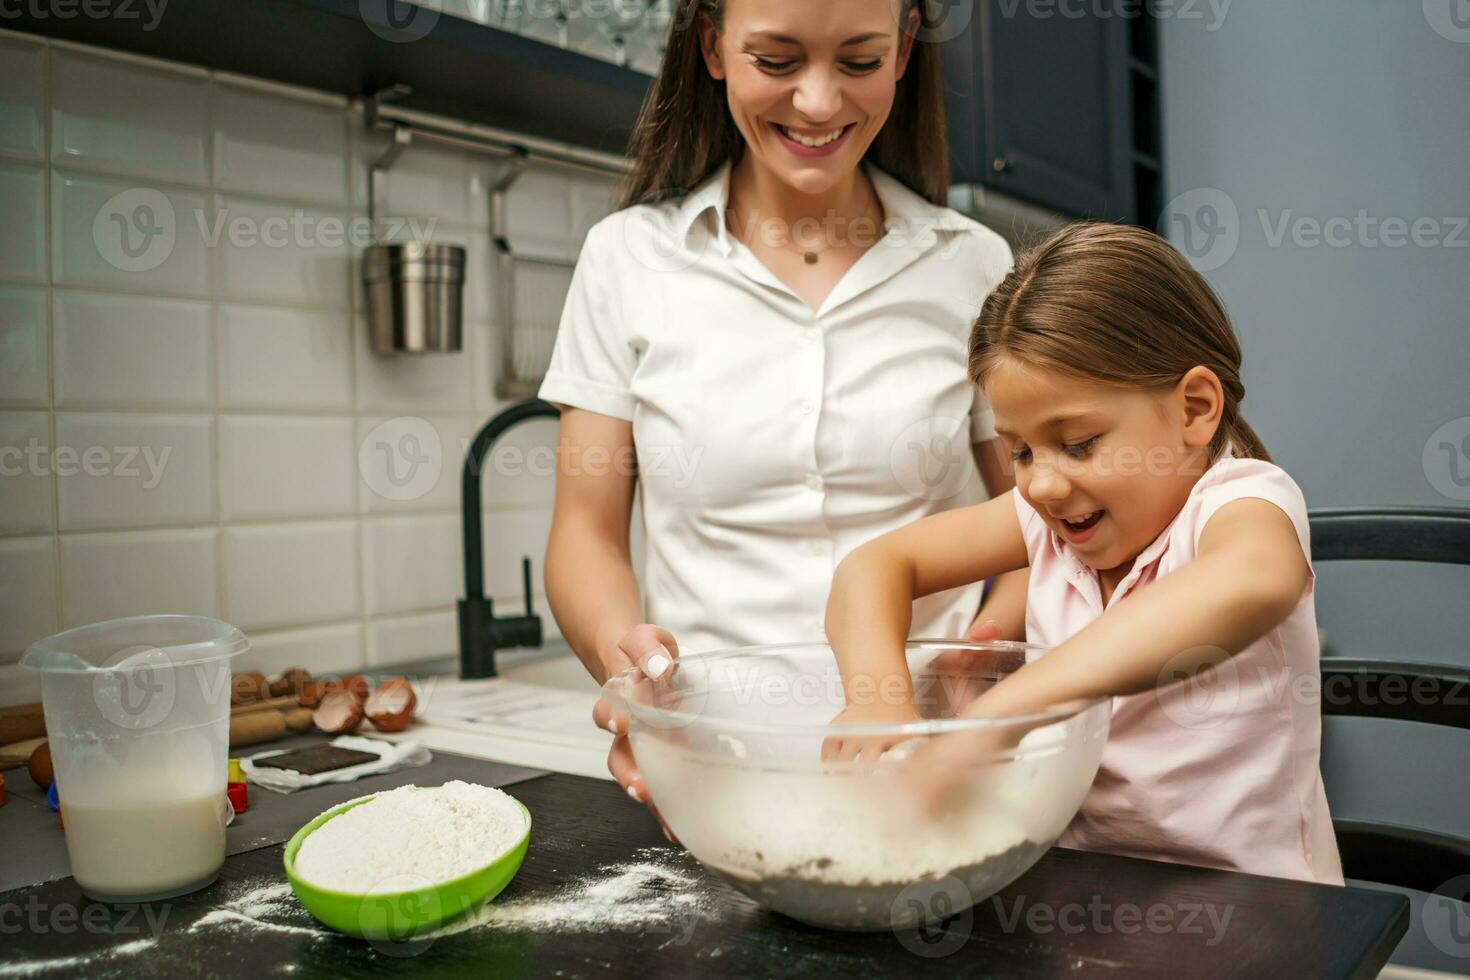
point(772, 439)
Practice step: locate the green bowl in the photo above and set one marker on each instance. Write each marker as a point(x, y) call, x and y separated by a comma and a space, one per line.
point(402, 915)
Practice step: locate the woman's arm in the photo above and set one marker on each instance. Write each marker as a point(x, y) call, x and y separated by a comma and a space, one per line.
point(1005, 601)
point(590, 583)
point(870, 609)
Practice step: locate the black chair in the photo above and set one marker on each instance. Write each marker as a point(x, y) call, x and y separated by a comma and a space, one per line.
point(1434, 694)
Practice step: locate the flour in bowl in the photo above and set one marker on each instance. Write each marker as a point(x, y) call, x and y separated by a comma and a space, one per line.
point(411, 838)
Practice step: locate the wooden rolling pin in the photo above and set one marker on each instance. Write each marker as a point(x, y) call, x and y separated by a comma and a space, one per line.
point(252, 727)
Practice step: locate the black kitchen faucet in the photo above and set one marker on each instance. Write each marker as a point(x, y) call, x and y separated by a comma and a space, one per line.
point(480, 632)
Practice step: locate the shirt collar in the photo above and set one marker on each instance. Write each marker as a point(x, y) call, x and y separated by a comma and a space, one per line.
point(905, 212)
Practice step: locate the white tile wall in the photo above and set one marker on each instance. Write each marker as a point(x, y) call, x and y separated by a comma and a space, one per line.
point(28, 579)
point(27, 470)
point(132, 352)
point(132, 574)
point(285, 467)
point(23, 353)
point(279, 360)
point(23, 216)
point(128, 119)
point(22, 103)
point(178, 275)
point(291, 574)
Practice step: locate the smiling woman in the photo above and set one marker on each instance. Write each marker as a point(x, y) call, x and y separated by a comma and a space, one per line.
point(783, 299)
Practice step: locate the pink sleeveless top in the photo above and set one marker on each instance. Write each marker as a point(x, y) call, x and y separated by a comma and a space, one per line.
point(1222, 771)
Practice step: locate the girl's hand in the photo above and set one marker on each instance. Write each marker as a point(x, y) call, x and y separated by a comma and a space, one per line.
point(840, 748)
point(652, 649)
point(951, 662)
point(939, 765)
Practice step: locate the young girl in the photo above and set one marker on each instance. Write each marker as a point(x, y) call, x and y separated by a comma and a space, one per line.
point(1162, 541)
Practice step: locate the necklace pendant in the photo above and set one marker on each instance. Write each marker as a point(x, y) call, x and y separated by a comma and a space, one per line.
point(811, 257)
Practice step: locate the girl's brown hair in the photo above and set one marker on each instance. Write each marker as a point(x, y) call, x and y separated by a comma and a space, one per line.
point(1119, 305)
point(684, 131)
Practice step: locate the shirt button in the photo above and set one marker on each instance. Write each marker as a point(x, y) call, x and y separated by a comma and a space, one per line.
point(806, 408)
point(813, 481)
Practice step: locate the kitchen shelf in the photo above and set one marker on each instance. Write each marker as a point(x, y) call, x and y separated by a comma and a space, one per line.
point(460, 68)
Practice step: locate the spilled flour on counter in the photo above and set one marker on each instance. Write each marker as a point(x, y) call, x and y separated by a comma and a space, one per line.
point(100, 959)
point(267, 906)
point(657, 891)
point(650, 894)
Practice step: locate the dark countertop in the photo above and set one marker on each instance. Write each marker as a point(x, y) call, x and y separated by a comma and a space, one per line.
point(1075, 912)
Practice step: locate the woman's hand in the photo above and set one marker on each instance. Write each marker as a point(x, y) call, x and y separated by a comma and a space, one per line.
point(652, 649)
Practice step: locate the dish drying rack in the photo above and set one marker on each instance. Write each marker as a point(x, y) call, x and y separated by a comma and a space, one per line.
point(525, 346)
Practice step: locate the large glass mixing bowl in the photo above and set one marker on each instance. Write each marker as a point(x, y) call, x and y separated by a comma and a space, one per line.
point(730, 746)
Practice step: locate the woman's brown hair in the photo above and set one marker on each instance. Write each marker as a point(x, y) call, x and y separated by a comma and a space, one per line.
point(1114, 304)
point(684, 131)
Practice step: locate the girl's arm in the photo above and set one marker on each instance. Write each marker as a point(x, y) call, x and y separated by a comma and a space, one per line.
point(1005, 601)
point(1248, 576)
point(870, 609)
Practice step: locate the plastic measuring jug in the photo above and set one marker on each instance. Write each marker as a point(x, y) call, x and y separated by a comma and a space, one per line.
point(138, 719)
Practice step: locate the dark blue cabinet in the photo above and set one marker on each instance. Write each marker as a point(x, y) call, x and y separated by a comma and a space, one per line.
point(1053, 103)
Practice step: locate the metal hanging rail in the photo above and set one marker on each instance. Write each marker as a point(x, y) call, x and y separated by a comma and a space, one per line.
point(379, 114)
point(517, 374)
